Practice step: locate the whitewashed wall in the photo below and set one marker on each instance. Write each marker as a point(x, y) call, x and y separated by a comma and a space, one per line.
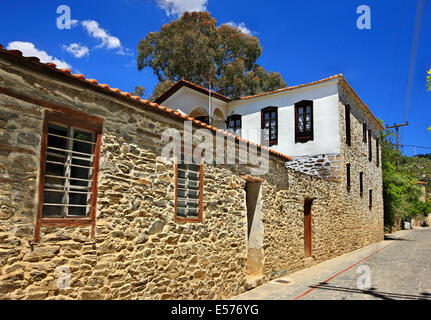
point(187, 100)
point(326, 128)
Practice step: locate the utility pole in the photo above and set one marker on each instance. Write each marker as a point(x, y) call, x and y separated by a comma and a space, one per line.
point(397, 127)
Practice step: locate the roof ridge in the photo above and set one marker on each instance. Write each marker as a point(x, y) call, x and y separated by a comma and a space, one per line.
point(127, 95)
point(336, 76)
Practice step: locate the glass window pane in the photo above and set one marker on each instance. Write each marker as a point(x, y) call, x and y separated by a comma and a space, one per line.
point(52, 211)
point(181, 193)
point(273, 115)
point(300, 110)
point(53, 197)
point(181, 212)
point(266, 115)
point(193, 212)
point(77, 211)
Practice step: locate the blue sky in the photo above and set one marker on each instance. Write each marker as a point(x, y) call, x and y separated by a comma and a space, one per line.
point(304, 40)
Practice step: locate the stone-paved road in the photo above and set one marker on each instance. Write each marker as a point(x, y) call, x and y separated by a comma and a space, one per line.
point(400, 268)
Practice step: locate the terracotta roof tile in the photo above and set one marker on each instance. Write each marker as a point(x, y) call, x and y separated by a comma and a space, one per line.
point(35, 59)
point(79, 76)
point(66, 71)
point(290, 88)
point(94, 82)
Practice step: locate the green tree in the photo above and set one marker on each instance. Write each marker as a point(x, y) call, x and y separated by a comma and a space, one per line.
point(139, 91)
point(195, 49)
point(429, 86)
point(401, 193)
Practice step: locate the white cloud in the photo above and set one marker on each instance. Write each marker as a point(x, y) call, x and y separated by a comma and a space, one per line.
point(108, 41)
point(178, 7)
point(28, 49)
point(241, 26)
point(77, 50)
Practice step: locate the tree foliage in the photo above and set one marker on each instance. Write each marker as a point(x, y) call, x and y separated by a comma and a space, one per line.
point(195, 49)
point(429, 86)
point(400, 191)
point(139, 91)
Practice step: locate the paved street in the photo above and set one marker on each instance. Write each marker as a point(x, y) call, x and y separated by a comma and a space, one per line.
point(400, 268)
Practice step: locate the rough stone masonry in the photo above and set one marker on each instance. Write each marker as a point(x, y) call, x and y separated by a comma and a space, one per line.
point(139, 250)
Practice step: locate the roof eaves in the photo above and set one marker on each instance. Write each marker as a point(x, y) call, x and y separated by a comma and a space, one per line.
point(94, 84)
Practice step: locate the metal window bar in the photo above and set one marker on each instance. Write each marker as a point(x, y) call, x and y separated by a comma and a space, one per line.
point(67, 188)
point(69, 138)
point(188, 184)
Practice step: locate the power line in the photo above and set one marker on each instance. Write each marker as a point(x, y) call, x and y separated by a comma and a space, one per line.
point(413, 146)
point(416, 37)
point(397, 55)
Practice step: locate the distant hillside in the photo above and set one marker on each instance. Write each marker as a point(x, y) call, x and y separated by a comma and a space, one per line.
point(419, 167)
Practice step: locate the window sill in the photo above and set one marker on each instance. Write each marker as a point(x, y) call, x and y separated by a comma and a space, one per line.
point(65, 222)
point(303, 140)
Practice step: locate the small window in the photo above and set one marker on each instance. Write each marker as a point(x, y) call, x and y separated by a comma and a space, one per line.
point(189, 192)
point(348, 177)
point(234, 124)
point(348, 130)
point(304, 130)
point(371, 198)
point(377, 151)
point(364, 132)
point(69, 165)
point(269, 118)
point(361, 184)
point(370, 147)
point(68, 171)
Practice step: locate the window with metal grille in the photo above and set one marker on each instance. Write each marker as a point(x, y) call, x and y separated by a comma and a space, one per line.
point(189, 192)
point(361, 184)
point(370, 148)
point(269, 118)
point(68, 171)
point(371, 198)
point(304, 121)
point(234, 124)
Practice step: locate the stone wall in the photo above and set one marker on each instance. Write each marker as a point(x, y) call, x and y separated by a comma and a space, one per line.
point(357, 156)
point(139, 250)
point(326, 166)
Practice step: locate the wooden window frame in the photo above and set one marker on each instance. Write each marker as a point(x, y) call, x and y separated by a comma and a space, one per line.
point(378, 152)
point(348, 125)
point(79, 120)
point(262, 124)
point(234, 117)
point(370, 146)
point(307, 135)
point(199, 218)
point(348, 177)
point(364, 132)
point(361, 184)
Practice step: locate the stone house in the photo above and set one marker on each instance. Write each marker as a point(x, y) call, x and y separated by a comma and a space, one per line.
point(90, 210)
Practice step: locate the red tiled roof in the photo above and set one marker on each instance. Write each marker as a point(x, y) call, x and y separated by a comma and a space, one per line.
point(422, 182)
point(184, 83)
point(94, 84)
point(290, 88)
point(179, 84)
